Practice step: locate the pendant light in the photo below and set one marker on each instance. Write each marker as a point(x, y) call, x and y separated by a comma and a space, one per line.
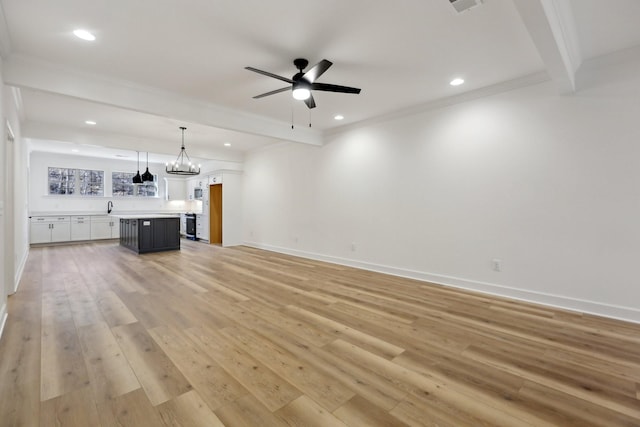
point(137, 179)
point(179, 167)
point(147, 177)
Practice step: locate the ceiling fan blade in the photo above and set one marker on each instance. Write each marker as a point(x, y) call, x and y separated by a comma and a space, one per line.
point(334, 88)
point(273, 92)
point(268, 74)
point(311, 103)
point(317, 70)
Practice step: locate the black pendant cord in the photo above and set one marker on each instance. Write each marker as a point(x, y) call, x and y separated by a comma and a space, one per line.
point(147, 176)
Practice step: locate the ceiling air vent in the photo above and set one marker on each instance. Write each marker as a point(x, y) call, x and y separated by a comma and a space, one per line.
point(462, 5)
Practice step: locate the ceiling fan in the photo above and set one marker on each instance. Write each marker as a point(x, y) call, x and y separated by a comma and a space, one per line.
point(302, 83)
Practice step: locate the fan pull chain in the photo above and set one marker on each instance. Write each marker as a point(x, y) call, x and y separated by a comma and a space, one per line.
point(291, 114)
point(309, 117)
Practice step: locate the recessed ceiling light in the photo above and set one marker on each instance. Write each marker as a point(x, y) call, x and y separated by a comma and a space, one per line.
point(338, 117)
point(90, 122)
point(456, 82)
point(75, 150)
point(84, 35)
point(227, 144)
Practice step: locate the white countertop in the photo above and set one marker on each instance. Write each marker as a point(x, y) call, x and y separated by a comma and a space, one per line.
point(114, 214)
point(145, 216)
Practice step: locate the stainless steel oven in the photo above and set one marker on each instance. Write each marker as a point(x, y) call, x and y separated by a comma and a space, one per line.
point(190, 232)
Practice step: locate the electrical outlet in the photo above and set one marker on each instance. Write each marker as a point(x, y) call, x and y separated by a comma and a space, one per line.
point(353, 247)
point(496, 264)
point(295, 239)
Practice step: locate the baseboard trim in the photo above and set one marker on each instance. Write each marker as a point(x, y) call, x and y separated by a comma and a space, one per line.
point(20, 270)
point(627, 314)
point(3, 318)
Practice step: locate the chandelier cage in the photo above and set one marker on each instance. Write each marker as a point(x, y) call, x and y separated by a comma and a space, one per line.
point(183, 164)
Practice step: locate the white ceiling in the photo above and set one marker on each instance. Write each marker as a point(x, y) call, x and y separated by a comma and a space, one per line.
point(160, 64)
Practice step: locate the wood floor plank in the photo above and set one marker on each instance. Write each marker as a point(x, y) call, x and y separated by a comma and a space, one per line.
point(285, 322)
point(423, 413)
point(74, 409)
point(109, 371)
point(248, 412)
point(113, 310)
point(564, 410)
point(208, 335)
point(158, 376)
point(270, 389)
point(305, 412)
point(62, 364)
point(360, 412)
point(340, 330)
point(324, 390)
point(377, 389)
point(188, 410)
point(484, 407)
point(621, 404)
point(131, 409)
point(215, 386)
point(20, 371)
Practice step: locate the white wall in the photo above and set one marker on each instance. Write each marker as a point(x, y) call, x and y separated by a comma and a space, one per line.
point(19, 187)
point(14, 248)
point(231, 208)
point(549, 184)
point(3, 223)
point(40, 201)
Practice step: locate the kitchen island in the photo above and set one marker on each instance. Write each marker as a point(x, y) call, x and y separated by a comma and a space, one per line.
point(145, 233)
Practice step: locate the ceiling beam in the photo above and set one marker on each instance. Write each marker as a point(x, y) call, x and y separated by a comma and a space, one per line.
point(52, 132)
point(551, 26)
point(31, 73)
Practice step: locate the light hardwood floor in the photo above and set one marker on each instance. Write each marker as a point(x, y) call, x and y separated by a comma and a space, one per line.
point(208, 336)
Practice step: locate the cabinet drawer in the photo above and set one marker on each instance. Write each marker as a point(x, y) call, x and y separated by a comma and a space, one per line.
point(41, 219)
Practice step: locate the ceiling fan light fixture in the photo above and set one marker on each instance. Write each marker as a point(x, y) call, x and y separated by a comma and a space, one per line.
point(179, 167)
point(303, 82)
point(301, 93)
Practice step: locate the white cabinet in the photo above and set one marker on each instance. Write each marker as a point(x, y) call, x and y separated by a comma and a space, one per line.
point(49, 229)
point(104, 227)
point(40, 232)
point(175, 189)
point(205, 200)
point(202, 227)
point(192, 184)
point(80, 228)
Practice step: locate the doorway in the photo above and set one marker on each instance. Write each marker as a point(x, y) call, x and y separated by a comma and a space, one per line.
point(215, 214)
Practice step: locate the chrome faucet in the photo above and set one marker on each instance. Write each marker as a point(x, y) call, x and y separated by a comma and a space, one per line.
point(109, 206)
